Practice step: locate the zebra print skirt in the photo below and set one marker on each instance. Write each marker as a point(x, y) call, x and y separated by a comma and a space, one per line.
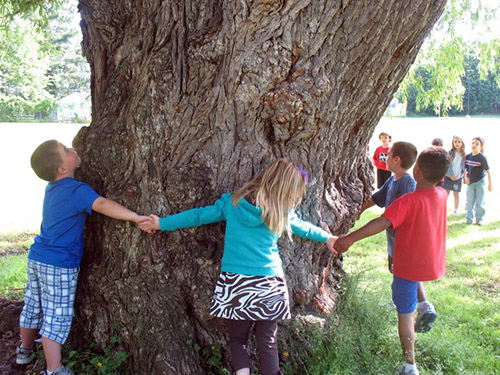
point(242, 297)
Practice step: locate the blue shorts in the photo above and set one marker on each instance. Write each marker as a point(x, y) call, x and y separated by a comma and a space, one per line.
point(48, 300)
point(404, 295)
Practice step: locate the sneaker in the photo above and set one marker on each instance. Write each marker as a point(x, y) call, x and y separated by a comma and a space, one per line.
point(425, 317)
point(479, 223)
point(61, 370)
point(468, 222)
point(455, 212)
point(24, 356)
point(411, 372)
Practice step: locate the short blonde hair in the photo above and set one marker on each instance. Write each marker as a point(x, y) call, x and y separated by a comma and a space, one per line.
point(277, 190)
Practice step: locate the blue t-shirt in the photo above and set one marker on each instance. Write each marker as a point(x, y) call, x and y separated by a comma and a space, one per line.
point(476, 165)
point(66, 204)
point(388, 193)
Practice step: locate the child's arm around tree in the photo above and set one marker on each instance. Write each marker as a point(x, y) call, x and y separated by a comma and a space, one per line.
point(115, 210)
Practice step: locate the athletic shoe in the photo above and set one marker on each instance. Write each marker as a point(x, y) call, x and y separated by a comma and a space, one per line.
point(455, 212)
point(468, 222)
point(61, 370)
point(24, 356)
point(411, 372)
point(426, 315)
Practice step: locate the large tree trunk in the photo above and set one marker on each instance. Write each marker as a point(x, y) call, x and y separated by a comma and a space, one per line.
point(193, 98)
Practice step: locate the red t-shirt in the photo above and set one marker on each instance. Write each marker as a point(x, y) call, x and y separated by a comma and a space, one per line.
point(380, 157)
point(420, 220)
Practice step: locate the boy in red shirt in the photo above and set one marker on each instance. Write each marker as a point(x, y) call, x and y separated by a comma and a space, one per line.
point(420, 249)
point(380, 159)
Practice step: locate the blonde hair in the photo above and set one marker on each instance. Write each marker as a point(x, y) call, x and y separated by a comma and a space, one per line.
point(277, 190)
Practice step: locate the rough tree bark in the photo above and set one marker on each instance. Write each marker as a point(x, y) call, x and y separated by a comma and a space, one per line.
point(191, 99)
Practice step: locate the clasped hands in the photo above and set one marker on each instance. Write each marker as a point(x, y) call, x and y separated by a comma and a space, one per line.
point(148, 224)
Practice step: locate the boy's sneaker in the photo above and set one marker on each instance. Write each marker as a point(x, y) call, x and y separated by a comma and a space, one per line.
point(426, 315)
point(411, 372)
point(61, 370)
point(23, 356)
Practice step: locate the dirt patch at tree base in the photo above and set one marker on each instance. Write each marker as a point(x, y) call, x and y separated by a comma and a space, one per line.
point(9, 337)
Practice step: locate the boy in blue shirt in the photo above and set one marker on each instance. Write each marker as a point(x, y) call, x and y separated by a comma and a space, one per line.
point(54, 258)
point(402, 156)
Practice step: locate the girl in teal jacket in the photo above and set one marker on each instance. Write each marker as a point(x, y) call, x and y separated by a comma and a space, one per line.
point(251, 287)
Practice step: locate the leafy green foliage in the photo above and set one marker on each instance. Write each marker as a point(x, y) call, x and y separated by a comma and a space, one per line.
point(39, 66)
point(481, 95)
point(436, 78)
point(37, 12)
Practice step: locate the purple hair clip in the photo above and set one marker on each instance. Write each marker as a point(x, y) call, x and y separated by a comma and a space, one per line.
point(303, 173)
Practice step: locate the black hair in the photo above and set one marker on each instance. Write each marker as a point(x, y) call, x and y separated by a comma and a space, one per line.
point(434, 162)
point(406, 151)
point(46, 159)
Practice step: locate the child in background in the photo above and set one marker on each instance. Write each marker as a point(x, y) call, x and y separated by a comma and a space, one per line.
point(402, 155)
point(453, 179)
point(251, 288)
point(380, 159)
point(420, 248)
point(476, 167)
point(54, 258)
point(438, 142)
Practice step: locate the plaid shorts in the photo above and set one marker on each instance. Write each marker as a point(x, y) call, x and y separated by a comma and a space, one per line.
point(48, 300)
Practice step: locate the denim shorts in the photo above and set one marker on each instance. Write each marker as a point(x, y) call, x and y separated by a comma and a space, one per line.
point(404, 295)
point(48, 300)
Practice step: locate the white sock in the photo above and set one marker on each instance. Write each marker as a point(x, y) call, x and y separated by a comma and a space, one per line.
point(49, 372)
point(408, 366)
point(421, 305)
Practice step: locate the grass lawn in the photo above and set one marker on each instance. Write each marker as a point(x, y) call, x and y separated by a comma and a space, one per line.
point(465, 338)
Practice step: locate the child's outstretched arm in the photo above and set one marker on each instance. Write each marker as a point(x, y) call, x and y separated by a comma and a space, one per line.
point(373, 227)
point(117, 211)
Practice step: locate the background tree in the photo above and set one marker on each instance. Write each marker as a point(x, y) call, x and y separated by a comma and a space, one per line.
point(435, 83)
point(40, 61)
point(22, 72)
point(192, 99)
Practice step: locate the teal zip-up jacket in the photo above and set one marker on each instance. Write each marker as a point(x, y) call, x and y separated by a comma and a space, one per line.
point(250, 248)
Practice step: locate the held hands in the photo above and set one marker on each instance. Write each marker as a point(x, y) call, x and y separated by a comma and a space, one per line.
point(138, 219)
point(150, 224)
point(330, 242)
point(343, 243)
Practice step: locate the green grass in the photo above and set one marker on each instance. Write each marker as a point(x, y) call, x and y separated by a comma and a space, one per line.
point(464, 340)
point(15, 242)
point(13, 257)
point(13, 276)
